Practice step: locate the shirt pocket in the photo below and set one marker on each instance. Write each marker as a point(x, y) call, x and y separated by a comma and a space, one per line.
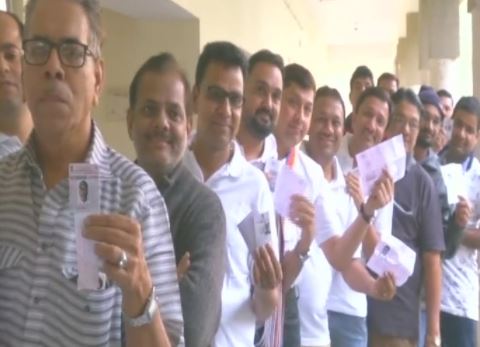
point(10, 256)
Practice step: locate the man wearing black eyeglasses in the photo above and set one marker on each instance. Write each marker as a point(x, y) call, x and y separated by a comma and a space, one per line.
point(15, 120)
point(132, 296)
point(254, 275)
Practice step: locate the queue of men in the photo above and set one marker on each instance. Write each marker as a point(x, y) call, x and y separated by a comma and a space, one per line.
point(191, 247)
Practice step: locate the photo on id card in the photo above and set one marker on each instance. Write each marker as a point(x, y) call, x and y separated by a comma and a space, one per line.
point(256, 231)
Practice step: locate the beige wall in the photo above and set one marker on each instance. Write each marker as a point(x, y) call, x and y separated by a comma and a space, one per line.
point(281, 26)
point(342, 61)
point(129, 43)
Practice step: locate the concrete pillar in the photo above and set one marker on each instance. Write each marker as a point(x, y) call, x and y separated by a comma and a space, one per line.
point(439, 23)
point(475, 11)
point(442, 73)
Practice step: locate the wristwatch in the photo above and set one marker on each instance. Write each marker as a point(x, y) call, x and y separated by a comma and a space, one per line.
point(147, 316)
point(303, 257)
point(366, 217)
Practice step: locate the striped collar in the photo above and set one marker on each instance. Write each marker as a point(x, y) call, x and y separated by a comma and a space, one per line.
point(98, 153)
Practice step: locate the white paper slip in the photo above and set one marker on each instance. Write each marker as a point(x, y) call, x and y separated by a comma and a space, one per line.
point(389, 155)
point(473, 191)
point(392, 255)
point(272, 166)
point(84, 194)
point(288, 183)
point(256, 231)
point(455, 181)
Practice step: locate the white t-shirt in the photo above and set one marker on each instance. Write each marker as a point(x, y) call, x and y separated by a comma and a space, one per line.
point(242, 190)
point(269, 153)
point(342, 298)
point(460, 273)
point(314, 280)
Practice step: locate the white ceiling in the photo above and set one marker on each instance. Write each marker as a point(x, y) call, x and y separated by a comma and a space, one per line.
point(147, 9)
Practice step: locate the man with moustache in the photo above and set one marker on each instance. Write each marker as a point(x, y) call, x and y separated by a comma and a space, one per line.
point(159, 120)
point(430, 125)
point(15, 119)
point(454, 217)
point(417, 223)
point(263, 93)
point(137, 302)
point(459, 304)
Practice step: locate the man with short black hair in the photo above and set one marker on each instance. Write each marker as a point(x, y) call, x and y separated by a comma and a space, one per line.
point(362, 78)
point(430, 125)
point(252, 282)
point(388, 82)
point(263, 93)
point(446, 101)
point(15, 119)
point(459, 304)
point(159, 120)
point(346, 306)
point(445, 133)
point(333, 245)
point(417, 223)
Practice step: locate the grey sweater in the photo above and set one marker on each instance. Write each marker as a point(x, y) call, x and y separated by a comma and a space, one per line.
point(197, 223)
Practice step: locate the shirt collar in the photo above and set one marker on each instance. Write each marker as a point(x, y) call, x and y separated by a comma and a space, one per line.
point(97, 154)
point(233, 168)
point(4, 138)
point(466, 164)
point(169, 179)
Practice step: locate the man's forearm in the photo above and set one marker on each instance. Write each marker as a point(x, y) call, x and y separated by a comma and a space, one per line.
point(264, 302)
point(432, 267)
point(339, 250)
point(358, 278)
point(370, 242)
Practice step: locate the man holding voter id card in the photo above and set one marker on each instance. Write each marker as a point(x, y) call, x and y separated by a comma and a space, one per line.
point(79, 268)
point(254, 275)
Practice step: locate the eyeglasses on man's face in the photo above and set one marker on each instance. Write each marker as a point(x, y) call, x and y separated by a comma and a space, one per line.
point(218, 95)
point(71, 53)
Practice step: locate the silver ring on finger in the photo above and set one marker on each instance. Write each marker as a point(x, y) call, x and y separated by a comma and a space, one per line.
point(123, 261)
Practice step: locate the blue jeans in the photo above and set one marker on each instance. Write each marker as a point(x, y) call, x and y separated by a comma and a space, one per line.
point(422, 329)
point(347, 330)
point(458, 331)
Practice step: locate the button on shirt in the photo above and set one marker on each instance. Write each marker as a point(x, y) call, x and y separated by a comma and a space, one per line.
point(39, 301)
point(9, 144)
point(243, 191)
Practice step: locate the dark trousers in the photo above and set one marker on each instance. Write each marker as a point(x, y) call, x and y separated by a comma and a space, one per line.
point(458, 331)
point(291, 324)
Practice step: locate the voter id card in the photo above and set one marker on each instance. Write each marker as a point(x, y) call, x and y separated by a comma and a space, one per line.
point(84, 194)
